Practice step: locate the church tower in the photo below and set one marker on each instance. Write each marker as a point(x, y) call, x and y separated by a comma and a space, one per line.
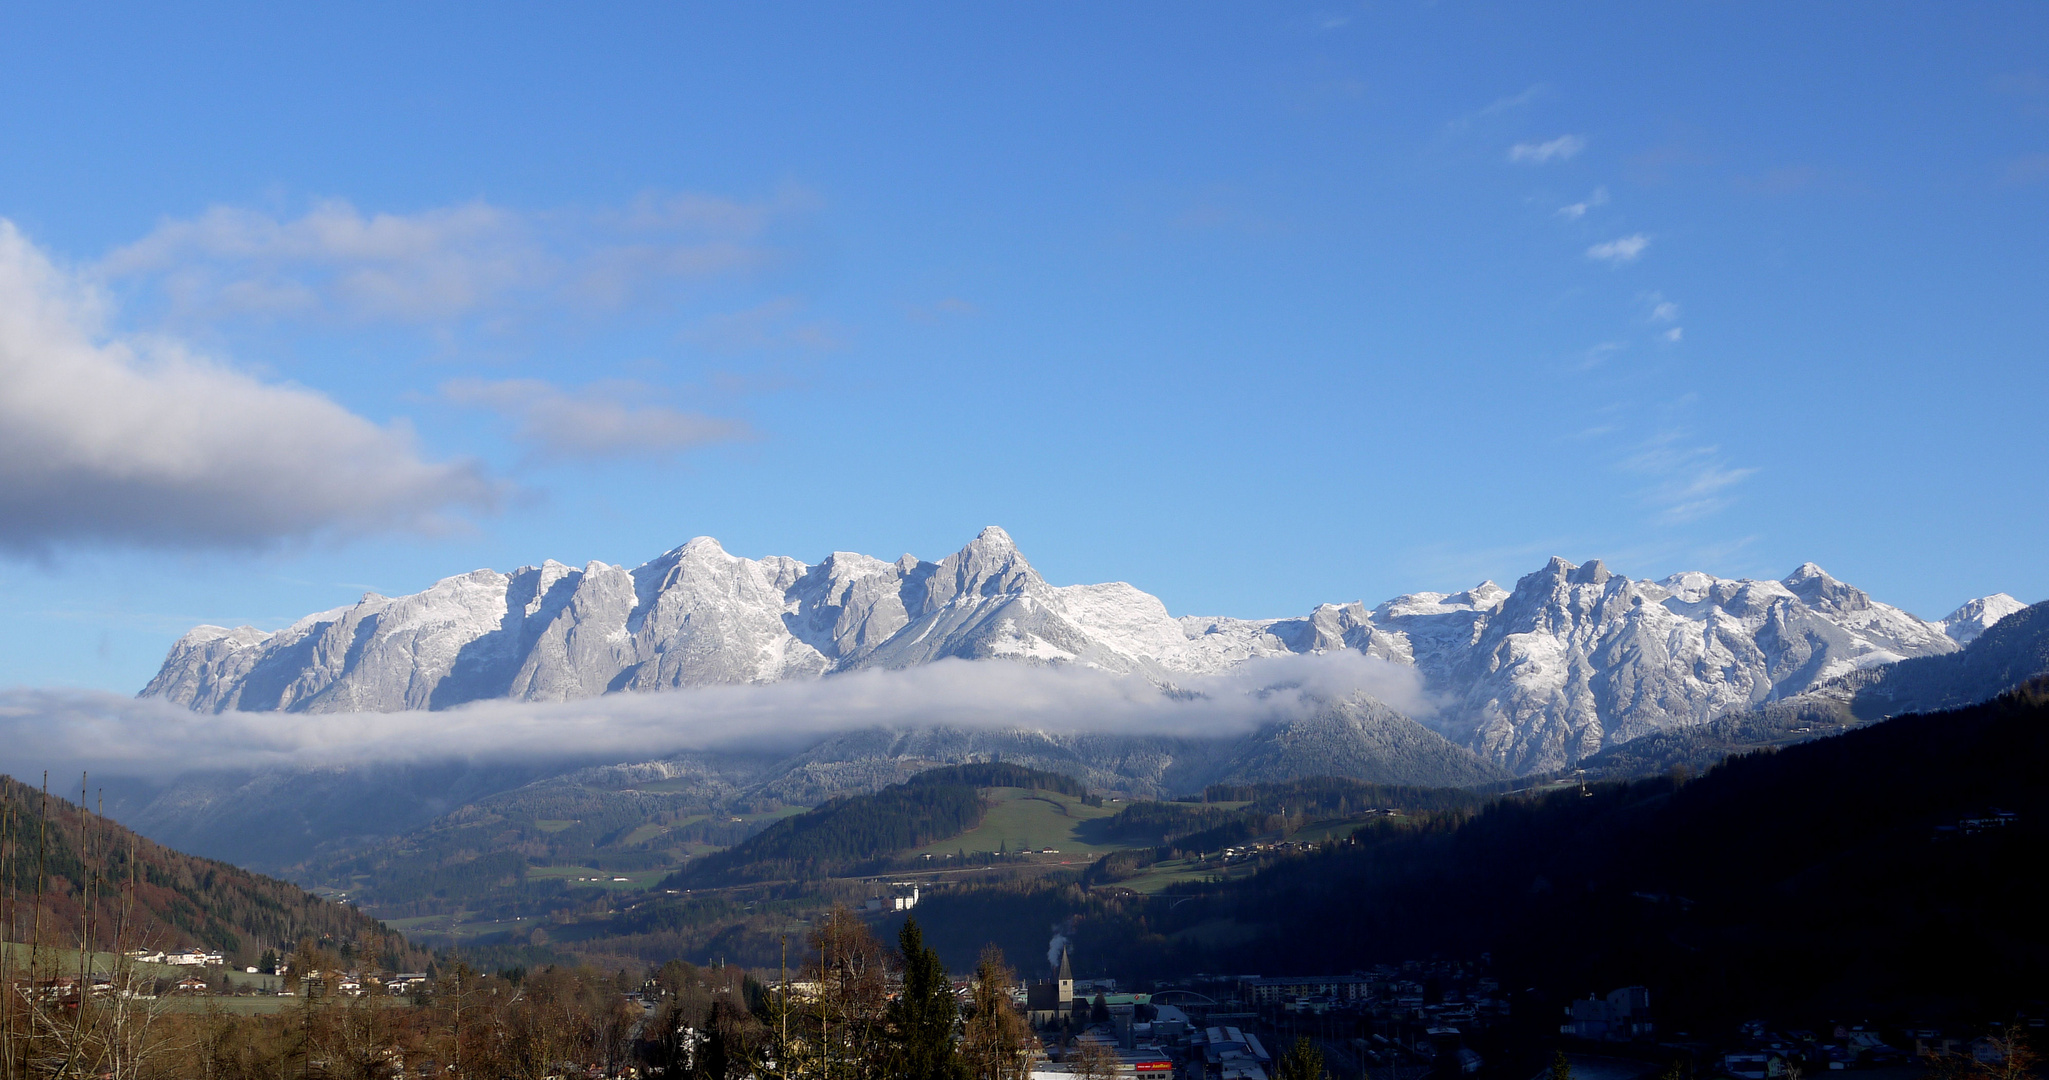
point(1066, 978)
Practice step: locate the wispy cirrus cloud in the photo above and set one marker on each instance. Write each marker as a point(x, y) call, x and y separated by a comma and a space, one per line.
point(1562, 148)
point(1622, 249)
point(1497, 107)
point(129, 440)
point(1688, 481)
point(1661, 312)
point(1575, 211)
point(594, 422)
point(774, 325)
point(1599, 354)
point(2027, 169)
point(442, 264)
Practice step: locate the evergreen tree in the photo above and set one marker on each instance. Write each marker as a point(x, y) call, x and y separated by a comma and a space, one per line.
point(921, 1019)
point(1561, 1069)
point(1303, 1061)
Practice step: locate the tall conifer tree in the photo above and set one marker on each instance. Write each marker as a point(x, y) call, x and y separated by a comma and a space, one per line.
point(922, 1018)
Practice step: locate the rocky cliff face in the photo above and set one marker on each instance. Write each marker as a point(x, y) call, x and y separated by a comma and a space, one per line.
point(1572, 659)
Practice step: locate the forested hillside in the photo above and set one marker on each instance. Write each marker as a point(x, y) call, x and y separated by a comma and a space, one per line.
point(65, 869)
point(847, 832)
point(523, 850)
point(1889, 869)
point(1698, 749)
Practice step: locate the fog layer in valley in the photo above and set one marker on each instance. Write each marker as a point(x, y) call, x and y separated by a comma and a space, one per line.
point(66, 731)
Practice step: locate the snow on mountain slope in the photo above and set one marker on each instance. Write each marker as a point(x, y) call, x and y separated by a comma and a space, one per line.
point(1577, 658)
point(1573, 659)
point(1974, 618)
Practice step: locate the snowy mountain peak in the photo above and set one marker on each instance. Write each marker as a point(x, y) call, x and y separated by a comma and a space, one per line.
point(1574, 658)
point(990, 565)
point(700, 547)
point(1816, 588)
point(1590, 573)
point(993, 537)
point(1484, 595)
point(1974, 618)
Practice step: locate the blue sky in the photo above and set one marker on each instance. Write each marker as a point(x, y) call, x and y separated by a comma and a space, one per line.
point(1253, 306)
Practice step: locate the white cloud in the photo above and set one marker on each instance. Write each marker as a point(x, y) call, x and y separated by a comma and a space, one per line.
point(1687, 482)
point(1599, 354)
point(1575, 211)
point(1561, 148)
point(1621, 250)
point(603, 420)
point(137, 441)
point(444, 263)
point(120, 736)
point(1674, 334)
point(1661, 309)
point(1501, 105)
point(1495, 108)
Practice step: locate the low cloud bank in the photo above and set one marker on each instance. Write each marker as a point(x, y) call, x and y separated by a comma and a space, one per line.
point(69, 730)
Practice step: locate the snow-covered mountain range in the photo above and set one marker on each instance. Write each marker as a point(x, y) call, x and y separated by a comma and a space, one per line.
point(1572, 659)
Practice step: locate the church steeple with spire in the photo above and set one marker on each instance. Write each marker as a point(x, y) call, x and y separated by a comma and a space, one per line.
point(1051, 1000)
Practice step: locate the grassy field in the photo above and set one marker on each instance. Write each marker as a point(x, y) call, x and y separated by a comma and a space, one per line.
point(649, 831)
point(585, 877)
point(66, 960)
point(1336, 829)
point(1022, 818)
point(1165, 876)
point(457, 925)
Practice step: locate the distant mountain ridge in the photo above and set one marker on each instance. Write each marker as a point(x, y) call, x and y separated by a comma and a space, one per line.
point(1573, 659)
point(1996, 658)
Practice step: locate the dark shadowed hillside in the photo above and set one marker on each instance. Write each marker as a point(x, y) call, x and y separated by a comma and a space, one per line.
point(2010, 652)
point(135, 892)
point(1889, 870)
